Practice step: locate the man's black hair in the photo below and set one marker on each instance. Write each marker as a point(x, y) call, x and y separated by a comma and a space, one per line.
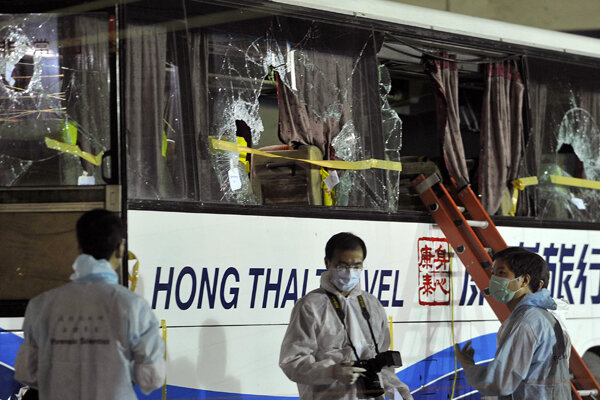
point(344, 241)
point(521, 261)
point(99, 232)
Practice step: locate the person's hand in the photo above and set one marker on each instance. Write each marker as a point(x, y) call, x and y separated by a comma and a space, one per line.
point(404, 392)
point(402, 389)
point(465, 355)
point(346, 373)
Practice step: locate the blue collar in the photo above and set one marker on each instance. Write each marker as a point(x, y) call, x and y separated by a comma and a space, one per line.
point(88, 269)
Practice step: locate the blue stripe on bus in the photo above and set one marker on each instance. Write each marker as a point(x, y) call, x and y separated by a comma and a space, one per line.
point(8, 386)
point(183, 393)
point(9, 345)
point(440, 364)
point(434, 375)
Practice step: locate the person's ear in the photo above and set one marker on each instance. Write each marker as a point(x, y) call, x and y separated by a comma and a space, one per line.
point(326, 262)
point(540, 286)
point(526, 280)
point(120, 250)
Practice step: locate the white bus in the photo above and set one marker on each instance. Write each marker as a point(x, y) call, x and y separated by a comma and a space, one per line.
point(235, 137)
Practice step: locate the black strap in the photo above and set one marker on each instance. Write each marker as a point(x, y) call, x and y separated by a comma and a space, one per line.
point(365, 312)
point(338, 309)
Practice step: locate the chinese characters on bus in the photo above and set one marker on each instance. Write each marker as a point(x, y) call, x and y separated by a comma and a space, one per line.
point(434, 271)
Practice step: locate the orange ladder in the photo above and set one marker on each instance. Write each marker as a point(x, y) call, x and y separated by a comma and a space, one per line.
point(474, 239)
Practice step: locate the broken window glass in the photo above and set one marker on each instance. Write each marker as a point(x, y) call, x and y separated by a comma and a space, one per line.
point(54, 94)
point(161, 162)
point(237, 70)
point(564, 141)
point(331, 94)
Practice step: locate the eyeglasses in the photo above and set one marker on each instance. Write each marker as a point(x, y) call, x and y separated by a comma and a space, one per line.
point(346, 267)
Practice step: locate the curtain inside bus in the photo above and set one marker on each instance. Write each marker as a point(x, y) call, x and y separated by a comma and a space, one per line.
point(501, 133)
point(444, 73)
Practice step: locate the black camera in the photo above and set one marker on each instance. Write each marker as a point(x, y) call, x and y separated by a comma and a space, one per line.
point(368, 384)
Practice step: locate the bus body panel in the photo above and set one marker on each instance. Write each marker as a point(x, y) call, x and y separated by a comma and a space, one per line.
point(227, 304)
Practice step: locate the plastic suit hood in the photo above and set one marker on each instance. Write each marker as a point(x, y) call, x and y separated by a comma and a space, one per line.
point(315, 340)
point(532, 359)
point(90, 339)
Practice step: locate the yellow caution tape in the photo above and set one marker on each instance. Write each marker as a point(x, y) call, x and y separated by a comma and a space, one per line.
point(391, 333)
point(163, 325)
point(242, 142)
point(165, 144)
point(520, 184)
point(327, 194)
point(577, 182)
point(69, 132)
point(136, 267)
point(333, 164)
point(75, 150)
point(451, 257)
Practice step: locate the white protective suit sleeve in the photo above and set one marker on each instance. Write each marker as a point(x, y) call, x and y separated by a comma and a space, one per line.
point(299, 345)
point(148, 348)
point(502, 376)
point(26, 363)
point(389, 379)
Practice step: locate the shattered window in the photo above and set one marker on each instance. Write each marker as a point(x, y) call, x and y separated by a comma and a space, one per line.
point(160, 142)
point(324, 95)
point(564, 145)
point(412, 94)
point(54, 95)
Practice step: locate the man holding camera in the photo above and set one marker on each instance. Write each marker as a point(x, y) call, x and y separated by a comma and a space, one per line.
point(336, 341)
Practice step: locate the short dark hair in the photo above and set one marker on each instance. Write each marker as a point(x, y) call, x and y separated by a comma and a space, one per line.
point(99, 232)
point(344, 241)
point(522, 261)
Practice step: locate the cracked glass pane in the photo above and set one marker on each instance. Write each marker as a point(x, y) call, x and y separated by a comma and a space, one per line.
point(159, 88)
point(565, 114)
point(54, 99)
point(326, 80)
point(392, 136)
point(239, 66)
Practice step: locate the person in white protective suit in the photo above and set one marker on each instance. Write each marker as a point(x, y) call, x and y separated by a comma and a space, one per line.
point(329, 331)
point(532, 359)
point(91, 338)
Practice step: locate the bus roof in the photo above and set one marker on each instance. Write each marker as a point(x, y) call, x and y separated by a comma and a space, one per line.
point(427, 18)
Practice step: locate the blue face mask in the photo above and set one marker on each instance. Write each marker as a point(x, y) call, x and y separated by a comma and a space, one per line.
point(345, 279)
point(499, 289)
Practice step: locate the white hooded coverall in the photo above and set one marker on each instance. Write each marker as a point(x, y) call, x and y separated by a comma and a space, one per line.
point(532, 359)
point(90, 339)
point(316, 339)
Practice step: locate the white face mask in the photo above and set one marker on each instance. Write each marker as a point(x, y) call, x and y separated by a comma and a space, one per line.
point(499, 289)
point(345, 279)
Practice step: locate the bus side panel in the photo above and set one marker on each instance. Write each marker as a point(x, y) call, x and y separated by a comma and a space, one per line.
point(232, 281)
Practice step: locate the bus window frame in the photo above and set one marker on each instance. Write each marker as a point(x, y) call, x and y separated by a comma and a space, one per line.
point(419, 35)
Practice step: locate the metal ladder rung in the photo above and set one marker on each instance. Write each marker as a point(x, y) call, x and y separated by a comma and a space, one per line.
point(478, 224)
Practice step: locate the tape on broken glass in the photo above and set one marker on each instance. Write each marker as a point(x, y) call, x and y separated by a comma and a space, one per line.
point(332, 164)
point(522, 183)
point(75, 150)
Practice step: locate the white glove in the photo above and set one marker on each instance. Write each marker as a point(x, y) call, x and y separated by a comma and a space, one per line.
point(346, 373)
point(403, 390)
